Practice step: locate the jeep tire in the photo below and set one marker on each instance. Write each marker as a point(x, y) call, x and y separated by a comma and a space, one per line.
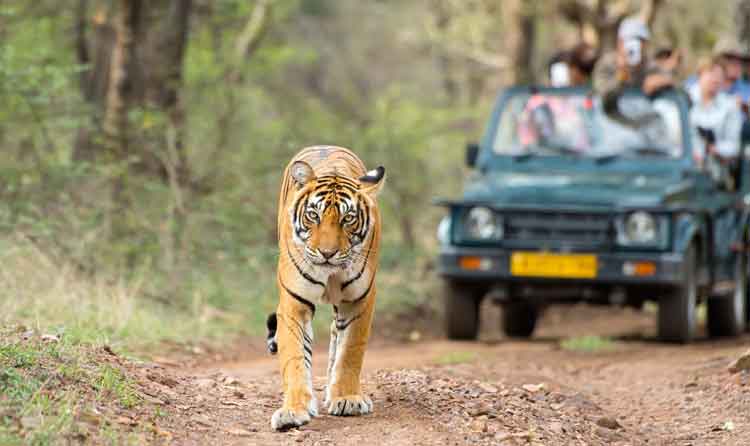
point(519, 319)
point(461, 310)
point(726, 314)
point(677, 309)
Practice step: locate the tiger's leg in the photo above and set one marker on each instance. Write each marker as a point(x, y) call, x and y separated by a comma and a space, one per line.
point(344, 395)
point(331, 357)
point(294, 337)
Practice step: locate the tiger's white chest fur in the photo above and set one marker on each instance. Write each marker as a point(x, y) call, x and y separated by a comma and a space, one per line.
point(339, 285)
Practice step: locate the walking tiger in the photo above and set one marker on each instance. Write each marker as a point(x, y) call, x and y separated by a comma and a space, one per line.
point(329, 237)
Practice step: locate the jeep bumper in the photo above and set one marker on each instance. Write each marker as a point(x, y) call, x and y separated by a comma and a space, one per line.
point(613, 268)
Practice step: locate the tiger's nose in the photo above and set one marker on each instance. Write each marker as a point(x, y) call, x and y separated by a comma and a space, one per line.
point(328, 253)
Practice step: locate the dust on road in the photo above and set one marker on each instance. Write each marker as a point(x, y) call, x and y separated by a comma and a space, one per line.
point(492, 392)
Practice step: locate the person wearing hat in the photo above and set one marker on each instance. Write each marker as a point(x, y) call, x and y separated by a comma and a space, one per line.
point(733, 56)
point(716, 117)
point(715, 113)
point(628, 67)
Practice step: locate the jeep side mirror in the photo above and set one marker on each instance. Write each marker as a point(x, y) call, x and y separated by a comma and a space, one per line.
point(472, 151)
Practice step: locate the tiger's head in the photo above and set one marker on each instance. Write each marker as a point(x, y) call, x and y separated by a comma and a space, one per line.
point(332, 215)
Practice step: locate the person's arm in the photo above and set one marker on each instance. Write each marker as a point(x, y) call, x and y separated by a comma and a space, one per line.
point(662, 76)
point(654, 82)
point(728, 139)
point(610, 82)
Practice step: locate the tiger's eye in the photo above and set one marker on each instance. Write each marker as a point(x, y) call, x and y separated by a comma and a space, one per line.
point(349, 218)
point(312, 215)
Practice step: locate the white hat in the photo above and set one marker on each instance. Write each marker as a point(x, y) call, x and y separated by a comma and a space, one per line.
point(633, 28)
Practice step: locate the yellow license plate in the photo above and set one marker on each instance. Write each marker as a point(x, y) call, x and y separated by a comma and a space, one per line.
point(542, 264)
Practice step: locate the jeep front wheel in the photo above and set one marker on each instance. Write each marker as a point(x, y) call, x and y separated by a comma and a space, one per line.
point(519, 319)
point(726, 315)
point(461, 311)
point(677, 309)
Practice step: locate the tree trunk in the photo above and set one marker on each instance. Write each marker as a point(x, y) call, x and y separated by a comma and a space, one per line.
point(742, 23)
point(119, 92)
point(162, 64)
point(94, 54)
point(444, 62)
point(598, 21)
point(136, 63)
point(407, 231)
point(247, 42)
point(521, 32)
point(250, 37)
point(649, 8)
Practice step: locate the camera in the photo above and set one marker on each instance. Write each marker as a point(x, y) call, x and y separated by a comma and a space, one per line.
point(633, 51)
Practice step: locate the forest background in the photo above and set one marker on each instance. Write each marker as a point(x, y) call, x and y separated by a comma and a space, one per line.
point(143, 141)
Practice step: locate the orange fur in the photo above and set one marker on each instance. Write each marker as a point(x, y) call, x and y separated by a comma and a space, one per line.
point(330, 256)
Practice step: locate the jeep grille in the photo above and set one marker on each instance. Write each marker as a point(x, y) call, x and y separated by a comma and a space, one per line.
point(559, 228)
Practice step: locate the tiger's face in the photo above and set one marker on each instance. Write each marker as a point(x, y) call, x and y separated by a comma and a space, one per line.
point(331, 215)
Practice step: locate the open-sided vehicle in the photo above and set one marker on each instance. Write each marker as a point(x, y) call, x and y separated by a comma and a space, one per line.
point(567, 204)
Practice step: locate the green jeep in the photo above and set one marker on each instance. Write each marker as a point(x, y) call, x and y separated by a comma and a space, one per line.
point(568, 204)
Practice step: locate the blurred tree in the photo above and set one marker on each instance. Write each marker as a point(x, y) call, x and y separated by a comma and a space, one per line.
point(246, 43)
point(134, 59)
point(206, 100)
point(118, 98)
point(597, 20)
point(521, 38)
point(442, 18)
point(742, 22)
point(467, 38)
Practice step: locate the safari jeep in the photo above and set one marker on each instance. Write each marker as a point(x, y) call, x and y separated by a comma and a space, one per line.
point(568, 204)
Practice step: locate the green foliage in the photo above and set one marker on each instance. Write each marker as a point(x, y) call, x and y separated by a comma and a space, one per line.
point(110, 383)
point(25, 378)
point(57, 391)
point(588, 344)
point(453, 358)
point(106, 249)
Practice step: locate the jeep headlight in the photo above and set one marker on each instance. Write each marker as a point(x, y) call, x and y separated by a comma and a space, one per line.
point(641, 228)
point(481, 223)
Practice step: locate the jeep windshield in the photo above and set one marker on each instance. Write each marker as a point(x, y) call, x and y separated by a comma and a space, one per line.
point(572, 123)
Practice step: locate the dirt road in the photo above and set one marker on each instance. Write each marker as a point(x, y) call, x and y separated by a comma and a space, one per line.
point(632, 392)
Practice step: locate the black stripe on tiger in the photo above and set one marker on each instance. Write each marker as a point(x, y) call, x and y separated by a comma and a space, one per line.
point(307, 277)
point(299, 298)
point(342, 325)
point(364, 219)
point(367, 291)
point(299, 215)
point(362, 270)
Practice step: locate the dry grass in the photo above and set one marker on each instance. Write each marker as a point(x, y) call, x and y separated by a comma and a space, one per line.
point(48, 293)
point(45, 294)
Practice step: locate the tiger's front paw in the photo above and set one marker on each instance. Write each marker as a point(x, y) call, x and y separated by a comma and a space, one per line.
point(350, 406)
point(284, 419)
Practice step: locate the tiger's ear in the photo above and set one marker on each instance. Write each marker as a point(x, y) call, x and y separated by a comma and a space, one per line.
point(302, 173)
point(373, 181)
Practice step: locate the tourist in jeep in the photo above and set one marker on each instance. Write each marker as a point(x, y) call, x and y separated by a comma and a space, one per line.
point(733, 56)
point(629, 67)
point(715, 114)
point(573, 67)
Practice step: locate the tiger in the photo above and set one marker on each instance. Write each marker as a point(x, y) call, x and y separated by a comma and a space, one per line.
point(329, 238)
